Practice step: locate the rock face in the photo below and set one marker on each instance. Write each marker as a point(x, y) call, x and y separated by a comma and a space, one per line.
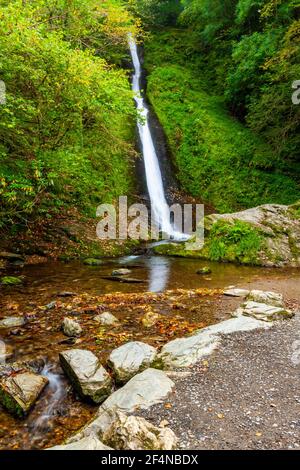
point(135, 433)
point(86, 373)
point(12, 322)
point(71, 327)
point(131, 358)
point(269, 298)
point(20, 390)
point(278, 227)
point(87, 443)
point(188, 351)
point(263, 312)
point(106, 318)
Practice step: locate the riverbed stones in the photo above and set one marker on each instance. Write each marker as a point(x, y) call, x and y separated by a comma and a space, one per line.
point(86, 373)
point(263, 312)
point(269, 298)
point(121, 272)
point(106, 319)
point(130, 359)
point(135, 433)
point(204, 271)
point(236, 292)
point(20, 389)
point(87, 443)
point(71, 327)
point(12, 322)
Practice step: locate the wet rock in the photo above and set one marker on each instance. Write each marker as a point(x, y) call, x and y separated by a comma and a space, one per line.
point(124, 279)
point(185, 352)
point(12, 322)
point(135, 433)
point(20, 390)
point(87, 443)
point(131, 358)
point(11, 256)
point(263, 312)
point(205, 270)
point(71, 327)
point(93, 262)
point(6, 352)
point(11, 281)
point(51, 305)
point(236, 292)
point(106, 318)
point(149, 319)
point(121, 272)
point(86, 373)
point(269, 298)
point(66, 294)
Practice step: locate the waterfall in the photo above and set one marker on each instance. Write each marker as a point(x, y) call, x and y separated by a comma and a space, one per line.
point(159, 204)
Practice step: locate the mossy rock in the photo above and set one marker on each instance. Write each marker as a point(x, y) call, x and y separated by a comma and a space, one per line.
point(93, 262)
point(11, 281)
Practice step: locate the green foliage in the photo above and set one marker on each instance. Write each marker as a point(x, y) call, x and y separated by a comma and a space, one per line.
point(11, 281)
point(254, 46)
point(218, 159)
point(157, 12)
point(67, 126)
point(234, 242)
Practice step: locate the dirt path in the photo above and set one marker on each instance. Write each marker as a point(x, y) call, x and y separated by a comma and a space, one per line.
point(246, 396)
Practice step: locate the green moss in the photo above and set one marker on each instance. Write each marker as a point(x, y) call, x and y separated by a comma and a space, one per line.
point(11, 281)
point(10, 404)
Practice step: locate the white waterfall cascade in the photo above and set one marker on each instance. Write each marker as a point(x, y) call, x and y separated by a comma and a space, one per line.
point(153, 174)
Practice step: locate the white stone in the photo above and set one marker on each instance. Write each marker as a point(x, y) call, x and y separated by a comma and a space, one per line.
point(263, 312)
point(87, 443)
point(269, 298)
point(106, 319)
point(87, 374)
point(185, 352)
point(135, 433)
point(71, 327)
point(236, 292)
point(131, 358)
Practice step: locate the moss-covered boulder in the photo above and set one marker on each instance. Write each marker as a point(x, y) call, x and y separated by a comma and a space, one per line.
point(267, 235)
point(19, 389)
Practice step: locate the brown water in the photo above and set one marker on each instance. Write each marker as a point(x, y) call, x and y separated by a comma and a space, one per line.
point(171, 289)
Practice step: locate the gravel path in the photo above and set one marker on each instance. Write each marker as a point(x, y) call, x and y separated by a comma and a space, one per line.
point(246, 395)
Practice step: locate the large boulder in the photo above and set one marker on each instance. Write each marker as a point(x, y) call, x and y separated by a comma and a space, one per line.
point(86, 373)
point(267, 235)
point(263, 312)
point(135, 433)
point(19, 389)
point(184, 352)
point(269, 298)
point(131, 358)
point(87, 443)
point(144, 390)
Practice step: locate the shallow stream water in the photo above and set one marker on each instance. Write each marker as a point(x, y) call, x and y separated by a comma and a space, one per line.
point(59, 412)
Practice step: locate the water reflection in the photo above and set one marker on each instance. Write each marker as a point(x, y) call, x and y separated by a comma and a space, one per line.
point(159, 273)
